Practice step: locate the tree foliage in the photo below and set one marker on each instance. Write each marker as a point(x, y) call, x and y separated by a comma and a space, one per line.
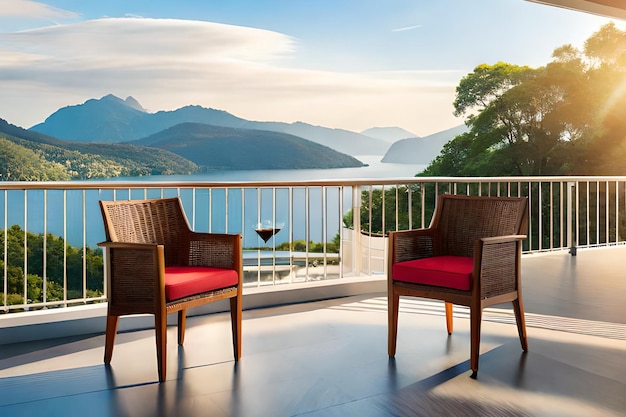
point(20, 164)
point(317, 247)
point(567, 118)
point(63, 266)
point(29, 156)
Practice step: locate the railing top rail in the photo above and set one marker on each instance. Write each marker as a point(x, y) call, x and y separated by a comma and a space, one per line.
point(192, 183)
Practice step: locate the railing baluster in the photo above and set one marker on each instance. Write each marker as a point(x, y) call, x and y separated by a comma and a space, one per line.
point(539, 220)
point(530, 216)
point(616, 211)
point(307, 226)
point(607, 213)
point(561, 214)
point(550, 214)
point(273, 240)
point(26, 249)
point(45, 247)
point(65, 247)
point(5, 255)
point(588, 224)
point(84, 248)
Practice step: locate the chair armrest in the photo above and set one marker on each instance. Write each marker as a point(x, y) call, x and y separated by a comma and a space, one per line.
point(219, 250)
point(405, 245)
point(497, 264)
point(135, 276)
point(502, 239)
point(126, 245)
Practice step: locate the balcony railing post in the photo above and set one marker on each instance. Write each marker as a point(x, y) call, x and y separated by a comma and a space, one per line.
point(571, 243)
point(356, 224)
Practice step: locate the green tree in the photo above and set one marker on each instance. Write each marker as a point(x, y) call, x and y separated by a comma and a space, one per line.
point(566, 118)
point(64, 264)
point(20, 164)
point(300, 246)
point(377, 201)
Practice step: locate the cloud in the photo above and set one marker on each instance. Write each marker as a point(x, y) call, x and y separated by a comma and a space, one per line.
point(168, 63)
point(138, 42)
point(406, 28)
point(32, 10)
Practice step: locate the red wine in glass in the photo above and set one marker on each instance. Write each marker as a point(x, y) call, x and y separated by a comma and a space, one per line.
point(266, 230)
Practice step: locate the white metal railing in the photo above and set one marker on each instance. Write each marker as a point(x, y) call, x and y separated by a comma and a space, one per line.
point(328, 229)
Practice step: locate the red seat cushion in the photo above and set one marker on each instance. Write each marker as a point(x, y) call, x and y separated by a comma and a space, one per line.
point(183, 281)
point(441, 271)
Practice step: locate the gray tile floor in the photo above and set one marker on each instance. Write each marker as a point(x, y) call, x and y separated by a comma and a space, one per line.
point(329, 358)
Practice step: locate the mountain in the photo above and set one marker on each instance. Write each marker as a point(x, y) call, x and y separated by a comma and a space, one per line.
point(218, 147)
point(111, 119)
point(132, 103)
point(421, 150)
point(28, 156)
point(388, 134)
point(341, 140)
point(108, 120)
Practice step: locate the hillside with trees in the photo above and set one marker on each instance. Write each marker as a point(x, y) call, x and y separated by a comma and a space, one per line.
point(30, 156)
point(567, 118)
point(217, 147)
point(46, 281)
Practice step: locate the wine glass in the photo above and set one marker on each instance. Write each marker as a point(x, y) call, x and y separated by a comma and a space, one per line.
point(266, 229)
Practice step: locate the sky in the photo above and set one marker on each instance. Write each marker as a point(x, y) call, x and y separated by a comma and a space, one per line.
point(348, 64)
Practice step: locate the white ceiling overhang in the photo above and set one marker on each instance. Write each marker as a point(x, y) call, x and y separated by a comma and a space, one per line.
point(609, 8)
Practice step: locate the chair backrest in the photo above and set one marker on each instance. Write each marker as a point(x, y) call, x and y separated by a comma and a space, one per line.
point(157, 221)
point(460, 220)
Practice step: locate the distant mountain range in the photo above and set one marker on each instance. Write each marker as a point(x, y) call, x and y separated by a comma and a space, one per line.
point(183, 149)
point(216, 147)
point(421, 151)
point(117, 132)
point(111, 120)
point(388, 134)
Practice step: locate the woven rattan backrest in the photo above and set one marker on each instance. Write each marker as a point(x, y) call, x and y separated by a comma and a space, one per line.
point(460, 220)
point(159, 221)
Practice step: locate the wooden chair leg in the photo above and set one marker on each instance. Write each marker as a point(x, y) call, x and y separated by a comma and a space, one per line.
point(235, 321)
point(109, 338)
point(449, 324)
point(160, 326)
point(475, 319)
point(182, 322)
point(393, 304)
point(518, 308)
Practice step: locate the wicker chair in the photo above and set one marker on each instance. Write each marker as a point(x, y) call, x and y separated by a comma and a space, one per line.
point(470, 255)
point(156, 265)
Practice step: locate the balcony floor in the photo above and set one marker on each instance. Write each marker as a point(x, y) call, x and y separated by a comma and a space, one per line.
point(329, 358)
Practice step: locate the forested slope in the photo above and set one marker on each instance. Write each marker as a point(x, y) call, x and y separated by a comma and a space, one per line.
point(30, 156)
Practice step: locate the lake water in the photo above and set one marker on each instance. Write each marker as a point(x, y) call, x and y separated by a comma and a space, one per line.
point(324, 216)
point(375, 169)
